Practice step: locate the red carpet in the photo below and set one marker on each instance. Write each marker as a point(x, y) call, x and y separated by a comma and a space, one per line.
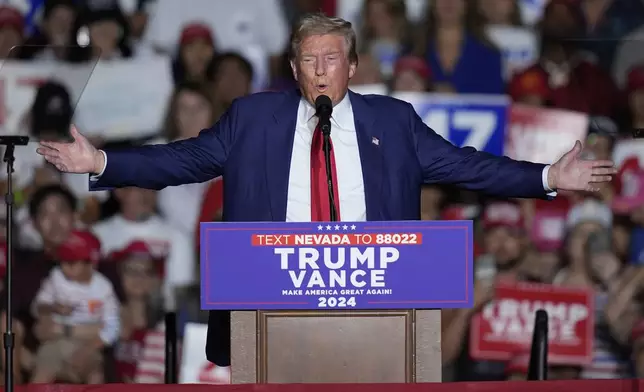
point(546, 386)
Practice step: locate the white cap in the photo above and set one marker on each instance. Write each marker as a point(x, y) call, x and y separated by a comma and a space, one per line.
point(589, 211)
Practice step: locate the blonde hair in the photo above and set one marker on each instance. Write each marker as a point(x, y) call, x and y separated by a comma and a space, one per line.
point(320, 24)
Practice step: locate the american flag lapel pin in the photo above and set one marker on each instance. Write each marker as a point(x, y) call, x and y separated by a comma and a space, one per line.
point(375, 141)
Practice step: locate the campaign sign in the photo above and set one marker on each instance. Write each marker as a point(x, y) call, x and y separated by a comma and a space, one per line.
point(543, 135)
point(504, 327)
point(478, 121)
point(336, 265)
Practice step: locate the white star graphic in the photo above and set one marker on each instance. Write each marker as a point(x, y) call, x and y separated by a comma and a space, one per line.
point(337, 227)
point(320, 227)
point(328, 227)
point(353, 227)
point(344, 227)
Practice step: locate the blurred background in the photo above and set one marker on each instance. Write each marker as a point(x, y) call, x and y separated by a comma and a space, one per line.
point(523, 78)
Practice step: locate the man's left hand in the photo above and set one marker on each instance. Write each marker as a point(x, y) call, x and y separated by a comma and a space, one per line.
point(571, 173)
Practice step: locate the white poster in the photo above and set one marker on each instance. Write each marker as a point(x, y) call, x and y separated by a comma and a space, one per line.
point(195, 368)
point(628, 148)
point(126, 99)
point(116, 100)
point(366, 89)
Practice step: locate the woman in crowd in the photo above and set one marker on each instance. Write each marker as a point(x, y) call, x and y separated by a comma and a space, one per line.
point(385, 32)
point(190, 111)
point(140, 274)
point(457, 51)
point(195, 51)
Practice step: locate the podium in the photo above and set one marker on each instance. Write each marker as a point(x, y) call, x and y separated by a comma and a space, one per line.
point(364, 346)
point(357, 304)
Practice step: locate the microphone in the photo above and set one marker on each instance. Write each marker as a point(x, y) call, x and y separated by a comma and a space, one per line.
point(323, 109)
point(538, 366)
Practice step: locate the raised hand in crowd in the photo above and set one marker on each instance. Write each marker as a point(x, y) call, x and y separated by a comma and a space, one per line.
point(622, 310)
point(455, 322)
point(79, 156)
point(572, 173)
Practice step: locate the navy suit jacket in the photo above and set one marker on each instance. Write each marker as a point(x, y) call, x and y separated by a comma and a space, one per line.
point(251, 147)
point(252, 143)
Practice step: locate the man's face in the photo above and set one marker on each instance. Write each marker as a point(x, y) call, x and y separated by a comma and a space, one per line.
point(560, 22)
point(601, 146)
point(76, 270)
point(55, 220)
point(322, 67)
point(137, 203)
point(504, 243)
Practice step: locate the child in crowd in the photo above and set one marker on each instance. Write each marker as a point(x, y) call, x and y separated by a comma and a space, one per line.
point(75, 294)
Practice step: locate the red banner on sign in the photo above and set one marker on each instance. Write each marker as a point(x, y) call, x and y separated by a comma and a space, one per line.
point(542, 135)
point(504, 327)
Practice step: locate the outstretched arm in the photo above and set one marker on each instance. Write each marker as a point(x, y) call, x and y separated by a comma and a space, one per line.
point(187, 161)
point(442, 162)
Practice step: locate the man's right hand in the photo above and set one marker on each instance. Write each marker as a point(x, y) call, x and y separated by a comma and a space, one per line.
point(79, 156)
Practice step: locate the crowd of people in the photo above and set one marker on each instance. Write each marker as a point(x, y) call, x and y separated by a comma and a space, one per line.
point(95, 272)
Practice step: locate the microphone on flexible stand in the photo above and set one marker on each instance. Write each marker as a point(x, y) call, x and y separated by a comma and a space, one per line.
point(323, 109)
point(10, 143)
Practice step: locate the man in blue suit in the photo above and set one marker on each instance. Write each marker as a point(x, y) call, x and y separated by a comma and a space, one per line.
point(268, 148)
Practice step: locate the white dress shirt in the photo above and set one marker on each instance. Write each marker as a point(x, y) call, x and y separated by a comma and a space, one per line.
point(347, 163)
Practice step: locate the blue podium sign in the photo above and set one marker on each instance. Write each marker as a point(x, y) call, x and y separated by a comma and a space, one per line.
point(337, 265)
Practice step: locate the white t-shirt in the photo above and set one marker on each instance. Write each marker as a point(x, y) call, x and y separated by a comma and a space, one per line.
point(94, 302)
point(116, 233)
point(181, 205)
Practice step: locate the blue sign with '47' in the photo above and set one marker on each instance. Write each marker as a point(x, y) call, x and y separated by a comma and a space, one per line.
point(336, 265)
point(478, 121)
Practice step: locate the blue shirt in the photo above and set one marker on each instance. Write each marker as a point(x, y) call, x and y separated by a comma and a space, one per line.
point(479, 69)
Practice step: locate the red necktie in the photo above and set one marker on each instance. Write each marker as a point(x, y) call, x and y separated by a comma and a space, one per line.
point(320, 207)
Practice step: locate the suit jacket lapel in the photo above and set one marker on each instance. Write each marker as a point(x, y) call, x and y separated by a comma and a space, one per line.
point(279, 138)
point(370, 141)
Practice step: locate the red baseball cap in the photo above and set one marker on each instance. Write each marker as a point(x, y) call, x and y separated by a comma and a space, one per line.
point(460, 212)
point(11, 17)
point(414, 64)
point(530, 82)
point(194, 31)
point(80, 246)
point(503, 214)
point(141, 249)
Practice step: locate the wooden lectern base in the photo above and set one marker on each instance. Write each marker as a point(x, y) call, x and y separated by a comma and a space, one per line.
point(336, 347)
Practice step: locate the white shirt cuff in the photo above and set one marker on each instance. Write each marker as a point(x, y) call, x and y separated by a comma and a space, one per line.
point(544, 179)
point(97, 176)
